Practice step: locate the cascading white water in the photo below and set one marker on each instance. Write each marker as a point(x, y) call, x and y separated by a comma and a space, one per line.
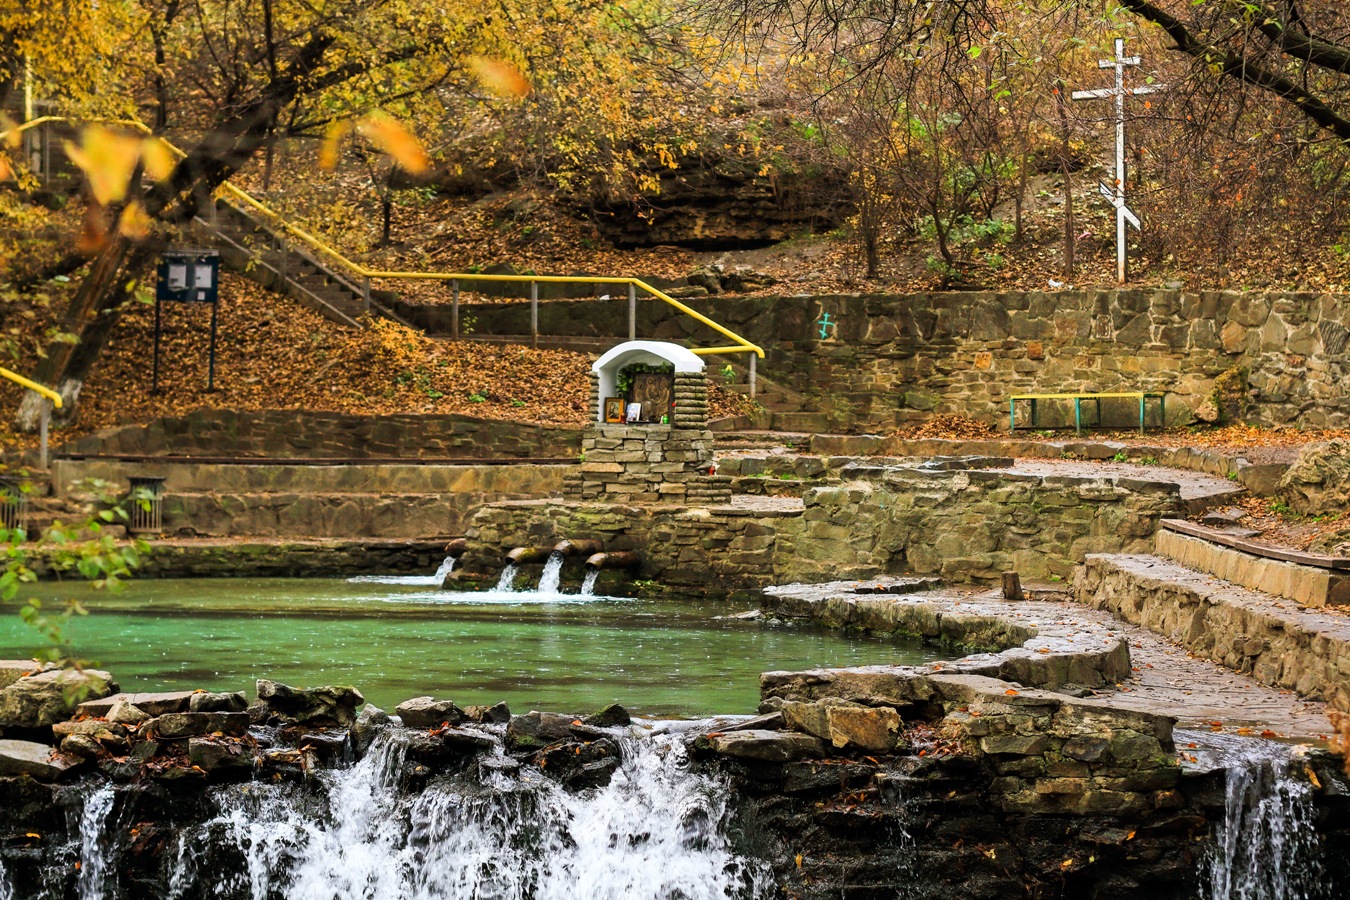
point(656, 831)
point(588, 586)
point(550, 580)
point(1266, 847)
point(94, 849)
point(447, 566)
point(507, 580)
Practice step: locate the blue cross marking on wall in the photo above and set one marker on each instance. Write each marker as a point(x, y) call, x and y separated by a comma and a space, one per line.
point(826, 326)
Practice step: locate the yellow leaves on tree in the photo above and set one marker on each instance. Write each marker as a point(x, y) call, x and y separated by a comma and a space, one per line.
point(382, 130)
point(108, 159)
point(500, 78)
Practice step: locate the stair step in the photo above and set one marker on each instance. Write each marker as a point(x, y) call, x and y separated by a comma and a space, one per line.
point(1278, 644)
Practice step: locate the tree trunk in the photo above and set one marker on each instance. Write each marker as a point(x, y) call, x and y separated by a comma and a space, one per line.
point(1064, 165)
point(99, 292)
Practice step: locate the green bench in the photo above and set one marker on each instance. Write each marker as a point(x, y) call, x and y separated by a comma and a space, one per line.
point(1142, 396)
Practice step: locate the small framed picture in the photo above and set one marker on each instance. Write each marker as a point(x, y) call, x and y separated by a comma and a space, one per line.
point(614, 409)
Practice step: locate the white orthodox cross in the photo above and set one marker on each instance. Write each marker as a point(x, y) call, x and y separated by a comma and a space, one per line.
point(1119, 92)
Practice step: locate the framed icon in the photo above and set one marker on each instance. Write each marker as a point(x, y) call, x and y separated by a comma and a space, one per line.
point(614, 409)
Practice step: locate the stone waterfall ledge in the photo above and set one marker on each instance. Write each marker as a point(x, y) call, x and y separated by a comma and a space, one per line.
point(1277, 642)
point(1305, 585)
point(1032, 644)
point(1047, 753)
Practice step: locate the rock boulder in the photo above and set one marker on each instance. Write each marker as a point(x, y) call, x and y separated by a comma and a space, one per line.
point(45, 698)
point(1318, 483)
point(328, 705)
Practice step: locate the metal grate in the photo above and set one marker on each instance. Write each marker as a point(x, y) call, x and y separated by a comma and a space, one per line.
point(146, 497)
point(13, 504)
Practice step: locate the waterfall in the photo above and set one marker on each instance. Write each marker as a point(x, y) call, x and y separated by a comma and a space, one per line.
point(551, 579)
point(443, 571)
point(656, 831)
point(1266, 848)
point(588, 586)
point(96, 847)
point(507, 579)
point(447, 566)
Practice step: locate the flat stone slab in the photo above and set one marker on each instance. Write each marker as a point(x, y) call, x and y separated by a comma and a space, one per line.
point(154, 704)
point(1163, 677)
point(766, 746)
point(35, 760)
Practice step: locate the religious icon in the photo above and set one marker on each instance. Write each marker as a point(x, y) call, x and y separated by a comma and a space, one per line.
point(614, 409)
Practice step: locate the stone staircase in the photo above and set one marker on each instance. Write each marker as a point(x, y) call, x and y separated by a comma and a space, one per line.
point(1276, 641)
point(251, 246)
point(264, 498)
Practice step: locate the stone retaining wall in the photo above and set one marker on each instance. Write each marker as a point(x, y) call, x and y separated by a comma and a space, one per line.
point(972, 526)
point(965, 526)
point(1279, 644)
point(295, 433)
point(888, 358)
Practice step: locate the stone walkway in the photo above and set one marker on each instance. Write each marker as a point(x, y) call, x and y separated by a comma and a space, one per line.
point(1193, 485)
point(1165, 678)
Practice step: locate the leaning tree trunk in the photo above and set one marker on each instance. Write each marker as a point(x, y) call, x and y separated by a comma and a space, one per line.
point(87, 322)
point(220, 153)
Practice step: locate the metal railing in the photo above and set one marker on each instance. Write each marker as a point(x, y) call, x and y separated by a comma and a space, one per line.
point(49, 397)
point(738, 345)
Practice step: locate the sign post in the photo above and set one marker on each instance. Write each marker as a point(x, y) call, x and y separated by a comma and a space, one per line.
point(1119, 92)
point(188, 276)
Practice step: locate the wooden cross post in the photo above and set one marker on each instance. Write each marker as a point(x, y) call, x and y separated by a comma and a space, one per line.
point(1119, 93)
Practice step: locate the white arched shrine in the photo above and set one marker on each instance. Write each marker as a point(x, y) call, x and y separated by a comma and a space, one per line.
point(651, 353)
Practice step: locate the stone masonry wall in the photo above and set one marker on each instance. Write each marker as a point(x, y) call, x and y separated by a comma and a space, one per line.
point(886, 359)
point(972, 526)
point(292, 433)
point(964, 526)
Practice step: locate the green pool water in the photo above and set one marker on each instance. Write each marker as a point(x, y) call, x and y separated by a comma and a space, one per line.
point(395, 641)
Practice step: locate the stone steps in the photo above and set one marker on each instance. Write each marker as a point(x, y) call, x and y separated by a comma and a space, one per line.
point(1276, 641)
point(354, 478)
point(281, 500)
point(1308, 585)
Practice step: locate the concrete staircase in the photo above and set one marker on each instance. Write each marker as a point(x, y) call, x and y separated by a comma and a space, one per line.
point(251, 246)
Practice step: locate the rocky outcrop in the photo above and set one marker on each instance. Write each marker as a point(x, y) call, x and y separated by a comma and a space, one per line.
point(1318, 483)
point(725, 203)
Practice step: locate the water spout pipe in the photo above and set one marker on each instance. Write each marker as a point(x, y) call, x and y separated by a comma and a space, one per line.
point(578, 548)
point(457, 547)
point(522, 555)
point(614, 559)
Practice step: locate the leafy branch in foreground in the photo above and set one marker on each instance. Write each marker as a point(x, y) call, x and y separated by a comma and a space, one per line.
point(86, 549)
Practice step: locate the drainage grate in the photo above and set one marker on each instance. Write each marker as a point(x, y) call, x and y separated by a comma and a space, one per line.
point(146, 497)
point(13, 504)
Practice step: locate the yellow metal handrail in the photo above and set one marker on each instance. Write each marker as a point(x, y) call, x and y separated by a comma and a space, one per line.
point(741, 344)
point(44, 415)
point(32, 386)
